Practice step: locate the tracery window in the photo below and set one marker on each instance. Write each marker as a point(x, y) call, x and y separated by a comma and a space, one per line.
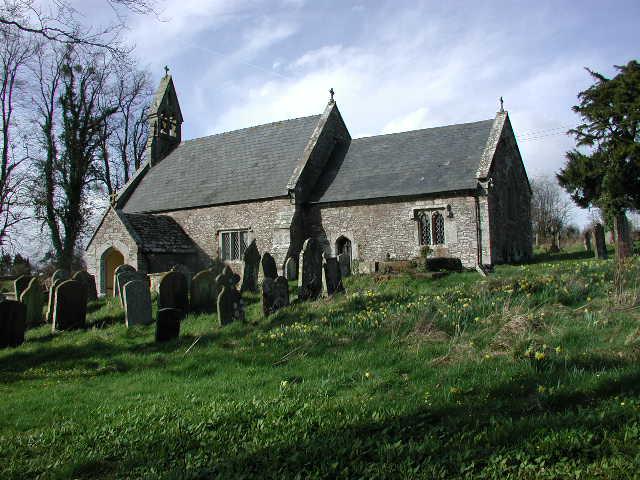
point(437, 221)
point(233, 244)
point(431, 225)
point(425, 228)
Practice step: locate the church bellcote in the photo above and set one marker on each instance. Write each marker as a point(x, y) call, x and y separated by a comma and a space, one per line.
point(165, 121)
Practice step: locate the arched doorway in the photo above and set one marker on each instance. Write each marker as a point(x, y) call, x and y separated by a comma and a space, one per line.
point(343, 250)
point(111, 259)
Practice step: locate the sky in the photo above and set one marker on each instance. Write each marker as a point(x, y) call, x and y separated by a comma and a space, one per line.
point(394, 65)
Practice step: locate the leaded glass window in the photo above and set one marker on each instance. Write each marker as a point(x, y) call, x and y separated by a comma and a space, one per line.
point(437, 221)
point(233, 244)
point(425, 229)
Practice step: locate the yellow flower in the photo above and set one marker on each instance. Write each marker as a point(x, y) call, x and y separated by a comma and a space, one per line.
point(367, 374)
point(558, 349)
point(541, 389)
point(539, 355)
point(454, 390)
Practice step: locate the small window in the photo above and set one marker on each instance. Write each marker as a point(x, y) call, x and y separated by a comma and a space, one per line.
point(425, 228)
point(437, 221)
point(233, 244)
point(431, 225)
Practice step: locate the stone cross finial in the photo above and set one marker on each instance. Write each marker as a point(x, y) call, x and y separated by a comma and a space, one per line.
point(501, 105)
point(166, 70)
point(332, 93)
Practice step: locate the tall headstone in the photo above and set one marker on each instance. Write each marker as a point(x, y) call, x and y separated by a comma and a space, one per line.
point(598, 237)
point(51, 300)
point(204, 292)
point(125, 277)
point(344, 261)
point(251, 260)
point(291, 268)
point(89, 281)
point(229, 303)
point(173, 292)
point(20, 284)
point(60, 274)
point(331, 276)
point(70, 306)
point(137, 303)
point(310, 268)
point(624, 245)
point(586, 239)
point(12, 323)
point(268, 266)
point(275, 294)
point(168, 324)
point(120, 268)
point(33, 299)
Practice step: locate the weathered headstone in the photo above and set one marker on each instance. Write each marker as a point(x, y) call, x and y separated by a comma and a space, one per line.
point(60, 274)
point(168, 324)
point(216, 267)
point(137, 303)
point(173, 292)
point(204, 292)
point(89, 281)
point(268, 267)
point(20, 284)
point(624, 245)
point(229, 303)
point(33, 299)
point(70, 306)
point(586, 238)
point(184, 270)
point(598, 236)
point(125, 277)
point(251, 260)
point(120, 268)
point(51, 300)
point(12, 323)
point(291, 268)
point(275, 294)
point(310, 268)
point(331, 277)
point(344, 261)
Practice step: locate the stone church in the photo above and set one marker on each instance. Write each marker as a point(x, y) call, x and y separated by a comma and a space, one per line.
point(455, 191)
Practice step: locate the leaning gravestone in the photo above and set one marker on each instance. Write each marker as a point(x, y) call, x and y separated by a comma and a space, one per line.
point(70, 306)
point(251, 260)
point(173, 292)
point(51, 300)
point(268, 267)
point(88, 281)
point(20, 284)
point(291, 269)
point(204, 292)
point(128, 276)
point(344, 261)
point(586, 239)
point(12, 323)
point(310, 277)
point(229, 304)
point(598, 236)
point(33, 299)
point(120, 268)
point(168, 324)
point(275, 294)
point(331, 277)
point(137, 303)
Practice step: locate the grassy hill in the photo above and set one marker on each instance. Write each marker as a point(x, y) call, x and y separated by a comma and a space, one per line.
point(531, 373)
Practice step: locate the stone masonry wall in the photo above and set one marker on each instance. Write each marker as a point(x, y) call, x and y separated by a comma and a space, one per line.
point(387, 228)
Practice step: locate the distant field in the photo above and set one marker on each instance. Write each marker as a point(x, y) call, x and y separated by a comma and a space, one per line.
point(531, 373)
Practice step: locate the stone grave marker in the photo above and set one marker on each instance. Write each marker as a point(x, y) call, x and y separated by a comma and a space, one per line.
point(59, 274)
point(291, 269)
point(331, 277)
point(173, 292)
point(33, 299)
point(598, 236)
point(251, 265)
point(12, 323)
point(69, 306)
point(204, 292)
point(51, 299)
point(168, 324)
point(310, 268)
point(20, 284)
point(120, 268)
point(268, 267)
point(229, 303)
point(344, 261)
point(275, 294)
point(88, 281)
point(128, 276)
point(586, 239)
point(137, 303)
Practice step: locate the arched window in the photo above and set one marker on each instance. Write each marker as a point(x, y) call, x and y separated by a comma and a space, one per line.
point(425, 228)
point(437, 221)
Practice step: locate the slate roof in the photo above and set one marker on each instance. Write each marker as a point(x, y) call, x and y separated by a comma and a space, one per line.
point(424, 161)
point(157, 233)
point(247, 164)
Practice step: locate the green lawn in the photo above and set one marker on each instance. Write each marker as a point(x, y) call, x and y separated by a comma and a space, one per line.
point(531, 373)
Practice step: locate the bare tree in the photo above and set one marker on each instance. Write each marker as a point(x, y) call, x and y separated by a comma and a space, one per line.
point(550, 210)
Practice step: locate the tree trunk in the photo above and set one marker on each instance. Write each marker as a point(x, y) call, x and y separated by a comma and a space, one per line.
point(622, 237)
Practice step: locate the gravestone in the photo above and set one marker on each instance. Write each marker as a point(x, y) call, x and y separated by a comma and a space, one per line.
point(33, 299)
point(229, 304)
point(331, 277)
point(251, 265)
point(291, 269)
point(168, 324)
point(137, 303)
point(268, 267)
point(624, 245)
point(344, 261)
point(184, 270)
point(60, 274)
point(204, 292)
point(125, 277)
point(51, 299)
point(173, 292)
point(120, 268)
point(586, 238)
point(12, 323)
point(310, 268)
point(598, 237)
point(69, 306)
point(216, 267)
point(275, 294)
point(88, 281)
point(20, 284)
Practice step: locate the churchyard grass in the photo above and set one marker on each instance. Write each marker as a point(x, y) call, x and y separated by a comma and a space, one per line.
point(533, 372)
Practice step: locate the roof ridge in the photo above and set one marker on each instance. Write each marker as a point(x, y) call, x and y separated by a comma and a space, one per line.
point(423, 129)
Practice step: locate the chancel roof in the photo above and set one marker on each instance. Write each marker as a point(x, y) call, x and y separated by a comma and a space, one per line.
point(157, 233)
